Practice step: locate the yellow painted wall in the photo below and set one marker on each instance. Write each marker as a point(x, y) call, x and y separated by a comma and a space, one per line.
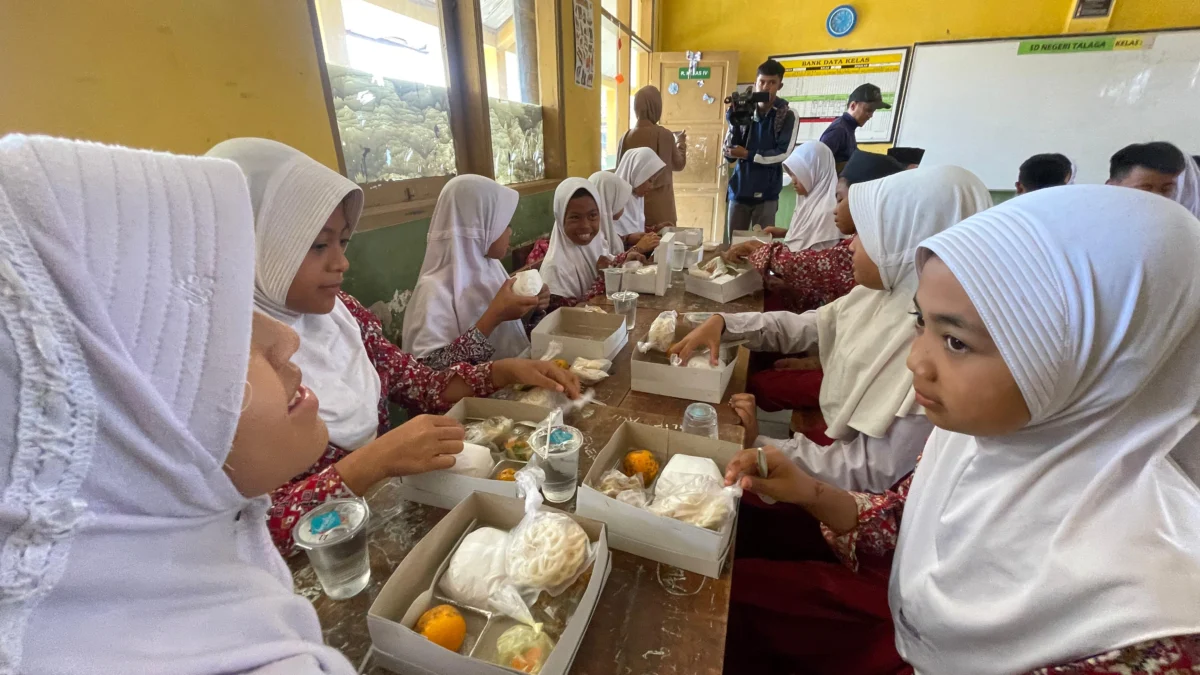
point(177, 75)
point(759, 28)
point(581, 107)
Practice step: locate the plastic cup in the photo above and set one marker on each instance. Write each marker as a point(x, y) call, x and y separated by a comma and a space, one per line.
point(335, 537)
point(614, 278)
point(561, 462)
point(700, 419)
point(625, 304)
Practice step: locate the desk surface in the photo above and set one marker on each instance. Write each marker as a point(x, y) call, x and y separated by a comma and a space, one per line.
point(652, 618)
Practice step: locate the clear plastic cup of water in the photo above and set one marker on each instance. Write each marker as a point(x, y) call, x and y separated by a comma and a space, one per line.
point(335, 537)
point(614, 278)
point(700, 419)
point(560, 460)
point(679, 256)
point(625, 304)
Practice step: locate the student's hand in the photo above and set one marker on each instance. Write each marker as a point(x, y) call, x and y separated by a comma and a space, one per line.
point(747, 412)
point(603, 262)
point(647, 243)
point(785, 482)
point(707, 334)
point(542, 374)
point(806, 363)
point(507, 306)
point(775, 231)
point(658, 228)
point(739, 252)
point(737, 152)
point(424, 443)
point(543, 298)
point(635, 255)
point(681, 138)
point(633, 238)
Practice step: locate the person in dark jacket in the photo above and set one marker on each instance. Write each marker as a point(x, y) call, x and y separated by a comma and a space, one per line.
point(860, 108)
point(757, 151)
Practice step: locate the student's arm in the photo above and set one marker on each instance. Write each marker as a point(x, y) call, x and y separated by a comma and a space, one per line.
point(782, 332)
point(823, 275)
point(783, 143)
point(470, 347)
point(862, 464)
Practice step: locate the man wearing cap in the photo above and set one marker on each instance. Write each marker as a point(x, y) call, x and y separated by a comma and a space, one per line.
point(860, 107)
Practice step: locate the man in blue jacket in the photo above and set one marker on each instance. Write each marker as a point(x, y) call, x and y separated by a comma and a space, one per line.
point(757, 151)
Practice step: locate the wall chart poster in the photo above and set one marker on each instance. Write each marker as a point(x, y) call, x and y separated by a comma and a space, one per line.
point(817, 86)
point(585, 44)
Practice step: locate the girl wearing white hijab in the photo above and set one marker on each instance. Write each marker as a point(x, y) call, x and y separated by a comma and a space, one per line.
point(142, 424)
point(1053, 523)
point(638, 168)
point(863, 337)
point(577, 249)
point(814, 175)
point(304, 215)
point(464, 308)
point(1187, 186)
point(614, 193)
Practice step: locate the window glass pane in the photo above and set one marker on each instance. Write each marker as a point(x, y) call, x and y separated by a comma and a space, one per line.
point(387, 72)
point(609, 132)
point(609, 6)
point(639, 76)
point(642, 21)
point(511, 65)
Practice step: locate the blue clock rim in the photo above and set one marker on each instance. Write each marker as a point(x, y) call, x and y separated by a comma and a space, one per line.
point(839, 10)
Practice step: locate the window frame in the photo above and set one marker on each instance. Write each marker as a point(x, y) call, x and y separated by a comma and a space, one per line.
point(394, 202)
point(627, 38)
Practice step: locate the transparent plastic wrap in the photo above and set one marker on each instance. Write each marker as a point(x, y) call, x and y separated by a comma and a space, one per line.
point(662, 333)
point(524, 649)
point(477, 568)
point(489, 433)
point(692, 489)
point(591, 371)
point(627, 489)
point(475, 461)
point(528, 283)
point(711, 269)
point(547, 551)
point(699, 359)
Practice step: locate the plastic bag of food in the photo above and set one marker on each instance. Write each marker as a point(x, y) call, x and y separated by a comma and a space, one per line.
point(591, 371)
point(662, 333)
point(627, 489)
point(699, 359)
point(474, 461)
point(516, 444)
point(477, 568)
point(710, 270)
point(523, 648)
point(647, 269)
point(593, 308)
point(547, 551)
point(692, 489)
point(553, 349)
point(528, 283)
point(489, 432)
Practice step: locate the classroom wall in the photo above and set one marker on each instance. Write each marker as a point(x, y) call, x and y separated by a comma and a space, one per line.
point(581, 107)
point(177, 75)
point(760, 28)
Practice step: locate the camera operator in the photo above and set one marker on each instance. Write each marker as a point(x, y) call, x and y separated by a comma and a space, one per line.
point(757, 149)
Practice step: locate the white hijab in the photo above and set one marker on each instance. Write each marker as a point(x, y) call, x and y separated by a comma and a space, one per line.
point(636, 167)
point(458, 281)
point(614, 194)
point(812, 221)
point(1079, 533)
point(125, 297)
point(293, 195)
point(569, 269)
point(1187, 186)
point(865, 335)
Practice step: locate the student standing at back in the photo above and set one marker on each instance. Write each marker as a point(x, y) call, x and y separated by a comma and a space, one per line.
point(671, 148)
point(757, 151)
point(1151, 167)
point(860, 108)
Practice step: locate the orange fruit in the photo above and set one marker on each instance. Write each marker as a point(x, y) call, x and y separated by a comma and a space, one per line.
point(643, 462)
point(443, 626)
point(507, 474)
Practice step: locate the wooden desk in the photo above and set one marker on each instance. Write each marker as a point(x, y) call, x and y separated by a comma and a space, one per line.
point(651, 618)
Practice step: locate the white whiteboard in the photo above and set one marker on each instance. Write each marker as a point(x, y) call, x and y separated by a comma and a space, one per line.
point(982, 106)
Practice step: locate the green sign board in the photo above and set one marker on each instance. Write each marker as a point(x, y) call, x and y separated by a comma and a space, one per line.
point(1107, 43)
point(700, 74)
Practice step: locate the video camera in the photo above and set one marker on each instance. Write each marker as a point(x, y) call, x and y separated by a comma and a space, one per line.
point(742, 105)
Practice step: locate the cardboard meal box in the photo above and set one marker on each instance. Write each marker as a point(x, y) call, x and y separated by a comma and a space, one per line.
point(658, 282)
point(592, 335)
point(653, 373)
point(412, 589)
point(445, 489)
point(638, 531)
point(739, 236)
point(726, 288)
